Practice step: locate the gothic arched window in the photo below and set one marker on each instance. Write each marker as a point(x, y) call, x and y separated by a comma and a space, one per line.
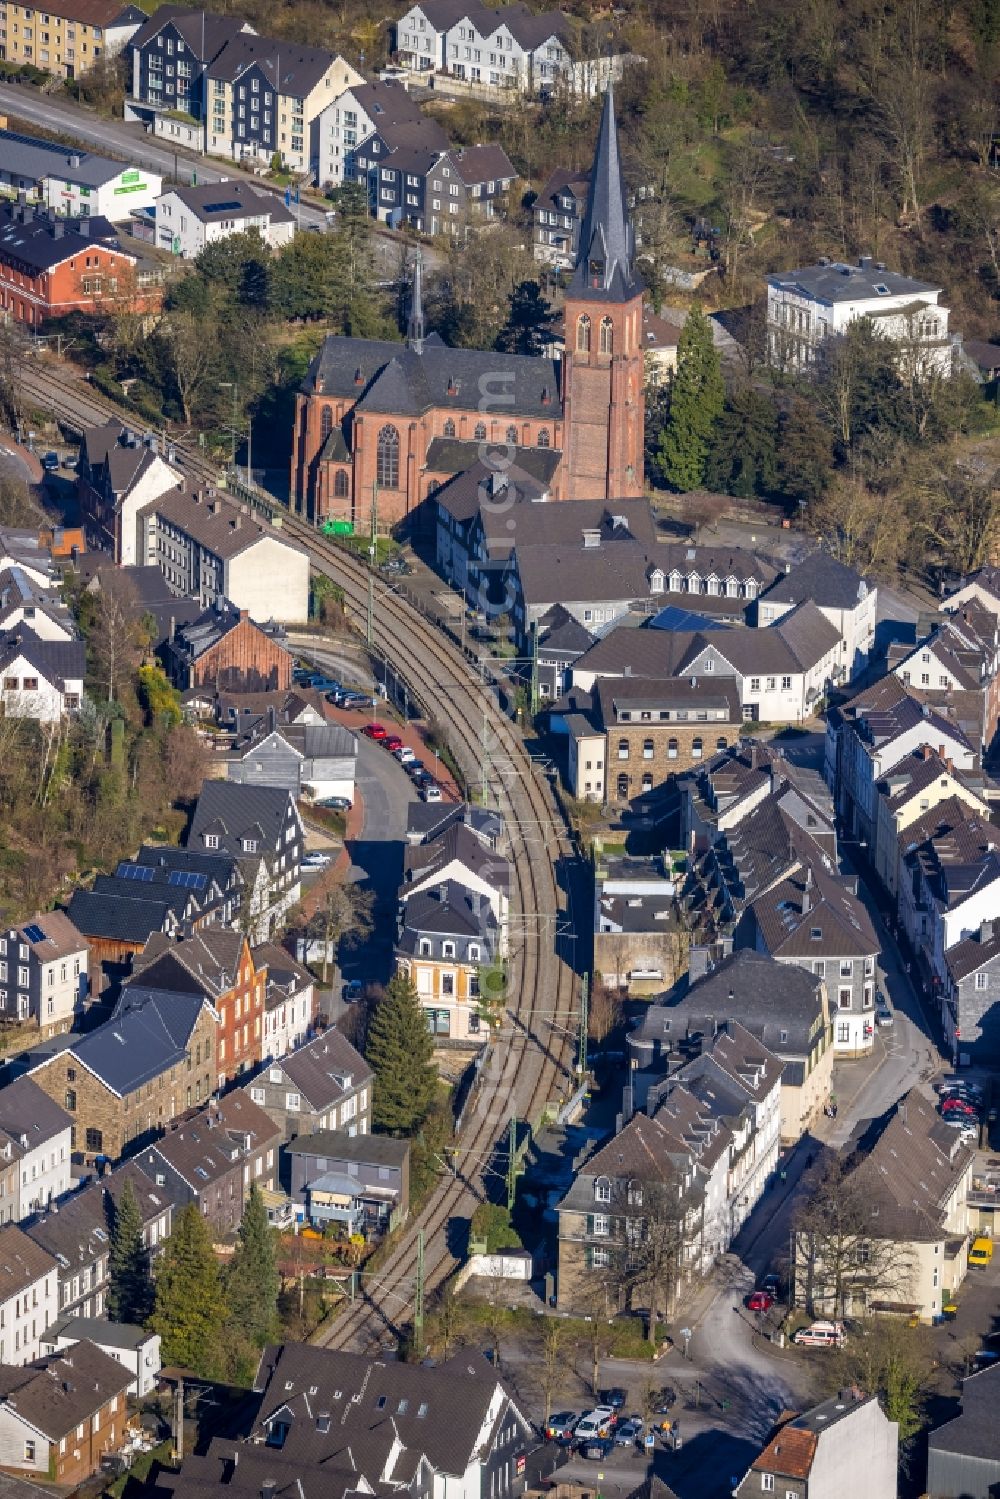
point(326, 422)
point(543, 437)
point(480, 431)
point(340, 484)
point(583, 334)
point(449, 428)
point(607, 336)
point(387, 468)
point(512, 434)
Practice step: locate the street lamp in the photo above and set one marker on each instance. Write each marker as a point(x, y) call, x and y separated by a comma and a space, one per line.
point(233, 385)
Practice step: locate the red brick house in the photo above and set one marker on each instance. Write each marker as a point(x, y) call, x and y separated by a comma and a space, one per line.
point(218, 963)
point(60, 1414)
point(224, 650)
point(400, 420)
point(51, 266)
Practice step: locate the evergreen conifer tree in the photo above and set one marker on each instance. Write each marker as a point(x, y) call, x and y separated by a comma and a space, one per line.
point(190, 1310)
point(130, 1287)
point(697, 397)
point(400, 1050)
point(252, 1283)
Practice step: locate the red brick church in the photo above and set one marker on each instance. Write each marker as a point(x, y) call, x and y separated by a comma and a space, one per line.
point(402, 419)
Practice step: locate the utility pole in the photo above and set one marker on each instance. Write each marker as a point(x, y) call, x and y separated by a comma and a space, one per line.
point(418, 1297)
point(533, 699)
point(485, 763)
point(369, 635)
point(370, 630)
point(581, 1061)
point(511, 1162)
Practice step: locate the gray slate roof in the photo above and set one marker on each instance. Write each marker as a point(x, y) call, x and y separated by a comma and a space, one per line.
point(27, 156)
point(974, 1432)
point(337, 1144)
point(231, 809)
point(822, 578)
point(27, 1111)
point(140, 1042)
point(326, 1070)
point(838, 282)
point(212, 202)
point(606, 237)
point(120, 918)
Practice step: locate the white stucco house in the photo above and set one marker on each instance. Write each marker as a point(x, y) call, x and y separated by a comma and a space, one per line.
point(189, 218)
point(807, 307)
point(40, 679)
point(842, 596)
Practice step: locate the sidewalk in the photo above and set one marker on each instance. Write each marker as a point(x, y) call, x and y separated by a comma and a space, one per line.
point(21, 453)
point(410, 735)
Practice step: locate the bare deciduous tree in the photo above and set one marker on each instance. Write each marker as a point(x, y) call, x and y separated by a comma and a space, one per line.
point(841, 1263)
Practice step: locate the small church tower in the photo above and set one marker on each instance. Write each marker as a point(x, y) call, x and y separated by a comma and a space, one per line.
point(603, 366)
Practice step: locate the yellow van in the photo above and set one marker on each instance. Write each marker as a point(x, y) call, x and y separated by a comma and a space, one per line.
point(981, 1252)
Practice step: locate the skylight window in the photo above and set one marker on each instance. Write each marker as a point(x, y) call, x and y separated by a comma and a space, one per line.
point(881, 290)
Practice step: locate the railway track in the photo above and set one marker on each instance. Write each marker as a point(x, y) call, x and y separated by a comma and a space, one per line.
point(532, 1058)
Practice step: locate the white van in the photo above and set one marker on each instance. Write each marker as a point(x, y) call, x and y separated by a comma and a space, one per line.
point(820, 1335)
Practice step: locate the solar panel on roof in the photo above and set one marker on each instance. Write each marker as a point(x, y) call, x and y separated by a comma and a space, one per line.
point(34, 933)
point(233, 204)
point(189, 879)
point(140, 872)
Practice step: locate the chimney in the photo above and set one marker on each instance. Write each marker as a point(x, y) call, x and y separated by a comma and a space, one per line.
point(865, 262)
point(272, 721)
point(806, 901)
point(951, 765)
point(57, 229)
point(926, 751)
point(83, 228)
point(986, 931)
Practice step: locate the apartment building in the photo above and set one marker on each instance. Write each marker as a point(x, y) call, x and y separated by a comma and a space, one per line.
point(35, 1150)
point(68, 37)
point(44, 968)
point(28, 1295)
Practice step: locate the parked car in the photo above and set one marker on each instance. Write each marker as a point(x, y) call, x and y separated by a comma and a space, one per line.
point(596, 1449)
point(392, 743)
point(615, 1397)
point(315, 860)
point(351, 992)
point(71, 461)
point(562, 1426)
point(820, 1335)
point(336, 803)
point(883, 1014)
point(629, 1431)
point(326, 684)
point(772, 1284)
point(50, 462)
point(376, 731)
point(981, 1251)
point(958, 1084)
point(405, 755)
point(595, 1423)
point(354, 700)
point(759, 1301)
point(431, 792)
point(959, 1106)
point(415, 768)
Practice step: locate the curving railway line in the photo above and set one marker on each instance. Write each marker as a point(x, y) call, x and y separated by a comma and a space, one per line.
point(532, 1064)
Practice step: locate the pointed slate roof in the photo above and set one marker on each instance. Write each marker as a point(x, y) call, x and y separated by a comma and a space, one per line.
point(605, 268)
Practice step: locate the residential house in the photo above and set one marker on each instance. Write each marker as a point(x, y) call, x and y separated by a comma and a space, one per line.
point(166, 612)
point(956, 669)
point(428, 821)
point(783, 673)
point(43, 972)
point(972, 995)
point(643, 1172)
point(265, 97)
point(70, 38)
point(69, 179)
point(167, 61)
point(35, 606)
point(661, 338)
point(161, 891)
point(561, 640)
point(243, 712)
point(135, 1348)
point(211, 549)
point(914, 1181)
point(786, 1009)
point(77, 1230)
point(415, 177)
point(217, 964)
point(981, 587)
point(349, 121)
point(557, 215)
point(637, 938)
point(308, 760)
point(963, 1461)
point(215, 1157)
point(917, 783)
point(62, 1412)
point(388, 1423)
point(816, 921)
point(260, 827)
point(126, 1080)
point(118, 474)
point(28, 1299)
point(846, 1444)
point(951, 859)
point(447, 937)
point(503, 50)
point(868, 736)
point(51, 267)
point(808, 307)
point(228, 652)
point(456, 855)
point(289, 1001)
point(470, 551)
point(189, 218)
point(647, 729)
point(325, 1084)
point(377, 1172)
point(35, 1150)
point(843, 597)
point(40, 679)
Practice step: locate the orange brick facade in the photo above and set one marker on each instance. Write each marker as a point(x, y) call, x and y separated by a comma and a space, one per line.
point(241, 1020)
point(86, 282)
point(603, 402)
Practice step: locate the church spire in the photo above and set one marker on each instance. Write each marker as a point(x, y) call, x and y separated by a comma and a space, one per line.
point(415, 327)
point(605, 267)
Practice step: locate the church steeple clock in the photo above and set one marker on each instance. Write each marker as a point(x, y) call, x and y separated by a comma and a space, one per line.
point(602, 372)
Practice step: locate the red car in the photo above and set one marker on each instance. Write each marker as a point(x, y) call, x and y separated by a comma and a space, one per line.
point(760, 1301)
point(376, 731)
point(959, 1106)
point(392, 743)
